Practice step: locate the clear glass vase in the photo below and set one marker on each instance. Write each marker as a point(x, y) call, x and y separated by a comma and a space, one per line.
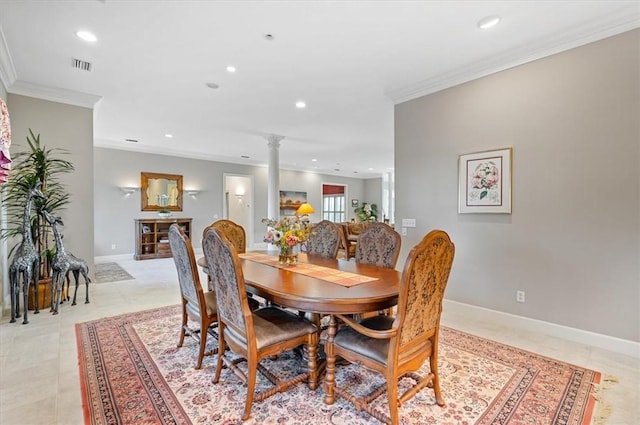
point(287, 255)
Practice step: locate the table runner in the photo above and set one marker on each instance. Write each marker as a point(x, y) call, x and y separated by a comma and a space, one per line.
point(319, 272)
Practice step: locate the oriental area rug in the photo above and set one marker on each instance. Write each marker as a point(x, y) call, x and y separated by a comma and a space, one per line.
point(132, 373)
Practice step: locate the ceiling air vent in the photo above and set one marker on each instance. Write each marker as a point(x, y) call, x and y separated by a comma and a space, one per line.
point(80, 64)
point(131, 140)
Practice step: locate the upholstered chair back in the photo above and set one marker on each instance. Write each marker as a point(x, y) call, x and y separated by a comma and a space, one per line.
point(234, 232)
point(324, 239)
point(378, 245)
point(228, 282)
point(422, 288)
point(186, 267)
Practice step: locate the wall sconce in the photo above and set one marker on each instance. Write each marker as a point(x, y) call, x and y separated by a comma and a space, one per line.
point(128, 190)
point(193, 193)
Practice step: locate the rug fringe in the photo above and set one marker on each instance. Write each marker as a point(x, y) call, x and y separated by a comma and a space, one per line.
point(603, 409)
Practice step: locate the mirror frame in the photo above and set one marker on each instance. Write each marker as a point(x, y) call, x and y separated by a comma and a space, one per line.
point(144, 186)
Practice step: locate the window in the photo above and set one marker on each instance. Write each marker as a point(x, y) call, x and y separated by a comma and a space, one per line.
point(333, 208)
point(333, 203)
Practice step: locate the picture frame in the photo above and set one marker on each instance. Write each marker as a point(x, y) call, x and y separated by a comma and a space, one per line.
point(290, 201)
point(484, 182)
point(355, 203)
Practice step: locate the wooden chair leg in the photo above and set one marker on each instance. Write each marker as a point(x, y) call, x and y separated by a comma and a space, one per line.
point(184, 323)
point(203, 344)
point(252, 371)
point(221, 350)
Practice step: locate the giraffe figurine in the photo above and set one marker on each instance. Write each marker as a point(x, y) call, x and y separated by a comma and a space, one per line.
point(25, 262)
point(63, 263)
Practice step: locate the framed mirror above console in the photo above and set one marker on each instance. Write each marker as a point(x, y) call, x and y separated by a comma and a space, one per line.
point(161, 191)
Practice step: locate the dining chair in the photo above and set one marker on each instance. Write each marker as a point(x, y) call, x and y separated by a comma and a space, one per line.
point(197, 305)
point(397, 346)
point(348, 246)
point(253, 335)
point(324, 239)
point(379, 245)
point(233, 231)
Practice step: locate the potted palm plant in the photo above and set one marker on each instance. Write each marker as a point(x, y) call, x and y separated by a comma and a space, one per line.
point(33, 165)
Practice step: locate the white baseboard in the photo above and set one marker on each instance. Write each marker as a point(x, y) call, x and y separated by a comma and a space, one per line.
point(606, 342)
point(111, 258)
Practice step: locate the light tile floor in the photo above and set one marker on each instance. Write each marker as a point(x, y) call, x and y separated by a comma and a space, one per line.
point(39, 381)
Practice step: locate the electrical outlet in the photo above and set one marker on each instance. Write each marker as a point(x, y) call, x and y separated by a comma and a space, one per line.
point(520, 296)
point(113, 246)
point(408, 222)
point(404, 231)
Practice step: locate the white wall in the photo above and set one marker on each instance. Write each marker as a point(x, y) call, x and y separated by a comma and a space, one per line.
point(572, 242)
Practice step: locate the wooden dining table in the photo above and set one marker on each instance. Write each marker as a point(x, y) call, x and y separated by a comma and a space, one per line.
point(286, 287)
point(315, 295)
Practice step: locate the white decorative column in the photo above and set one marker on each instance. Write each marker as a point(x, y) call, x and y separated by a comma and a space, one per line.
point(273, 187)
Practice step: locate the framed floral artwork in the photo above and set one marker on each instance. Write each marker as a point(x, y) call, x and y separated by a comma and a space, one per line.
point(484, 182)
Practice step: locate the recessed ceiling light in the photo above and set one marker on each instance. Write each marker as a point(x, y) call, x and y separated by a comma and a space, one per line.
point(314, 160)
point(269, 37)
point(87, 36)
point(488, 22)
point(231, 69)
point(300, 104)
point(212, 85)
point(168, 136)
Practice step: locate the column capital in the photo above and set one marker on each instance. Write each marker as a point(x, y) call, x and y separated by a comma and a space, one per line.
point(274, 140)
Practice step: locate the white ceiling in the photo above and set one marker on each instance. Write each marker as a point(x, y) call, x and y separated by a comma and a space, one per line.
point(350, 61)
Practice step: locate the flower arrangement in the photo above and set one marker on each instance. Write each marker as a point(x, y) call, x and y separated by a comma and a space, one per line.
point(285, 233)
point(367, 212)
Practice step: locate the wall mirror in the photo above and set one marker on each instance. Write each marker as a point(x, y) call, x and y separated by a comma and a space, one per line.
point(161, 191)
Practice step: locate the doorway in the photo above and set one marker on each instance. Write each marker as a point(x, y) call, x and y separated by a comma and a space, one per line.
point(238, 202)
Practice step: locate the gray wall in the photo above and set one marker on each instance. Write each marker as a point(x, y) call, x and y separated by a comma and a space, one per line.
point(3, 91)
point(71, 128)
point(115, 212)
point(572, 241)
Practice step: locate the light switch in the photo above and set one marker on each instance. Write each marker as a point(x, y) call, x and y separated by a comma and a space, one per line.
point(404, 231)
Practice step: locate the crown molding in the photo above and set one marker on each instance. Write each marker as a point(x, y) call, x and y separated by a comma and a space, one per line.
point(9, 79)
point(626, 20)
point(7, 71)
point(53, 94)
